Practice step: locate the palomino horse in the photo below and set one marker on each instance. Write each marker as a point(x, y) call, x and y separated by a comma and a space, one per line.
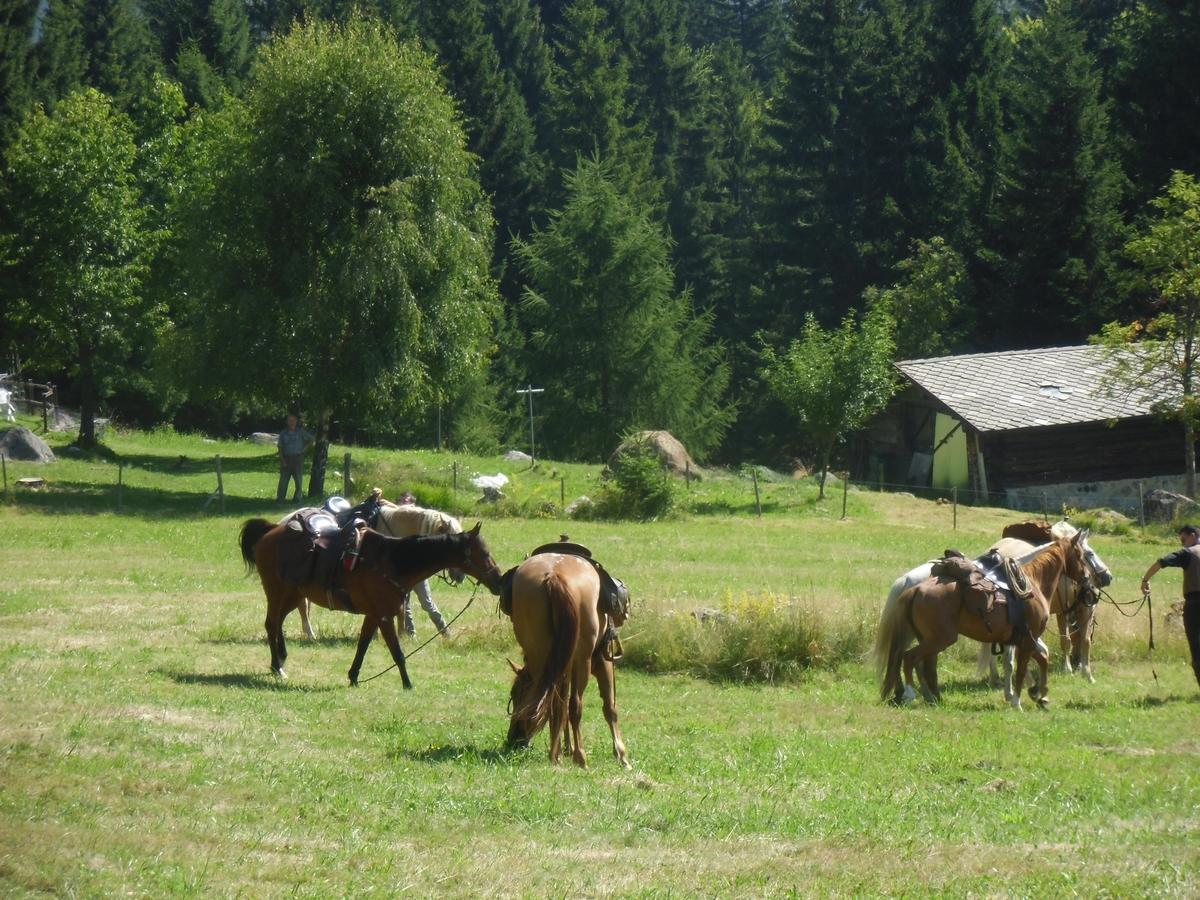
point(375, 589)
point(400, 521)
point(562, 632)
point(934, 613)
point(1072, 615)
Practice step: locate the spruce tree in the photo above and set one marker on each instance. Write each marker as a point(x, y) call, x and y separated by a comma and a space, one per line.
point(616, 346)
point(1057, 223)
point(17, 64)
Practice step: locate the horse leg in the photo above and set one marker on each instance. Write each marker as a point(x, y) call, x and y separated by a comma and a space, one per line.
point(557, 719)
point(577, 685)
point(930, 677)
point(1064, 640)
point(1040, 692)
point(305, 608)
point(606, 684)
point(365, 634)
point(388, 627)
point(1083, 637)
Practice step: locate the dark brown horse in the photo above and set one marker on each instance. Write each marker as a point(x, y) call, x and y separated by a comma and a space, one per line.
point(562, 632)
point(934, 614)
point(375, 589)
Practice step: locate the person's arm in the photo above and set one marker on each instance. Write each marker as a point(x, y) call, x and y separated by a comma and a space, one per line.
point(1150, 574)
point(1179, 559)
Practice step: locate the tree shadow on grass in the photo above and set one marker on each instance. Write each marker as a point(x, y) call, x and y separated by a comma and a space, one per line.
point(242, 680)
point(321, 640)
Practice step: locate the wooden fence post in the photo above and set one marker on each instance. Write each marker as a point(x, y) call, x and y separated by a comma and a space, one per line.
point(4, 466)
point(1141, 507)
point(456, 476)
point(347, 481)
point(845, 493)
point(120, 487)
point(757, 503)
point(220, 485)
point(954, 496)
point(562, 492)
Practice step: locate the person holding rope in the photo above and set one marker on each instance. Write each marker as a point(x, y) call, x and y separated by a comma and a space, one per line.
point(1187, 558)
point(423, 593)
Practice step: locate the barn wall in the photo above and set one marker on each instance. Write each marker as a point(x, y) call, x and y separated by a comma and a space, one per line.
point(1130, 449)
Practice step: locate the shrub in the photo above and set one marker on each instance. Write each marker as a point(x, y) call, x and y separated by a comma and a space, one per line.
point(751, 639)
point(639, 488)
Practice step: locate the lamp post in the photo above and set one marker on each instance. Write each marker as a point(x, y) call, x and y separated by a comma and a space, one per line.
point(529, 390)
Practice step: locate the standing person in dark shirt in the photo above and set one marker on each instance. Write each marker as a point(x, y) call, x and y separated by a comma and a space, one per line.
point(292, 443)
point(1188, 559)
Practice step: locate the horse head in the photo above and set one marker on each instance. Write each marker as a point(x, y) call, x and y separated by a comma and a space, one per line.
point(450, 525)
point(477, 561)
point(520, 726)
point(1079, 568)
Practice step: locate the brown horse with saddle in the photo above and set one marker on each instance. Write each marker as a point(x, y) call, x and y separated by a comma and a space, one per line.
point(354, 569)
point(565, 610)
point(959, 600)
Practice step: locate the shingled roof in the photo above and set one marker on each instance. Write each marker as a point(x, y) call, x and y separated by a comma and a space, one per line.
point(1024, 388)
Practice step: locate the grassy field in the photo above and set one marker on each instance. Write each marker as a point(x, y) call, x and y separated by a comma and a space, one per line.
point(146, 749)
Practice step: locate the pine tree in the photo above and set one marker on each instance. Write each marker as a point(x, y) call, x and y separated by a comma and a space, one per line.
point(1057, 223)
point(498, 125)
point(592, 111)
point(17, 65)
point(616, 346)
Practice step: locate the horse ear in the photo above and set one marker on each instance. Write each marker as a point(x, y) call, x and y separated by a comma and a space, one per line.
point(513, 666)
point(475, 530)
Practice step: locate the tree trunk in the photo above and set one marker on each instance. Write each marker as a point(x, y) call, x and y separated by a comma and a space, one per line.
point(316, 477)
point(87, 402)
point(826, 453)
point(1189, 455)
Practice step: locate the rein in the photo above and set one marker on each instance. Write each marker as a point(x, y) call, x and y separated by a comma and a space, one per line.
point(1137, 607)
point(428, 641)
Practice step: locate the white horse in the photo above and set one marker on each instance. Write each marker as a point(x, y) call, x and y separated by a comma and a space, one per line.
point(1066, 601)
point(1060, 529)
point(407, 520)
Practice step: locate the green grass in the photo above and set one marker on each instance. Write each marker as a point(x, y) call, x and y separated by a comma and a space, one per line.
point(144, 748)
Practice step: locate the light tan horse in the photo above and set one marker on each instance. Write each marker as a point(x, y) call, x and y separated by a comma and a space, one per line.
point(557, 619)
point(1072, 615)
point(400, 521)
point(934, 614)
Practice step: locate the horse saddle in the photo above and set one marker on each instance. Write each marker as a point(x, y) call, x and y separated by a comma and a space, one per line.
point(316, 549)
point(614, 593)
point(987, 595)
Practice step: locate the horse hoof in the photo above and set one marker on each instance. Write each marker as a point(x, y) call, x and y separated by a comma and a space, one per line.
point(1043, 703)
point(1087, 673)
point(280, 674)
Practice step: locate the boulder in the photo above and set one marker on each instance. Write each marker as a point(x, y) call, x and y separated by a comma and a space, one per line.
point(517, 456)
point(670, 452)
point(264, 437)
point(1163, 506)
point(22, 444)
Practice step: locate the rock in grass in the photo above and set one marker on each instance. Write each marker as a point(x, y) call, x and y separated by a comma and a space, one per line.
point(22, 444)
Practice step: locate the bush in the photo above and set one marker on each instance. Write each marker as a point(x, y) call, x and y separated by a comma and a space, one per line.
point(751, 639)
point(640, 488)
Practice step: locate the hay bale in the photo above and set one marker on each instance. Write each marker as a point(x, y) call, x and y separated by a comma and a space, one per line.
point(670, 452)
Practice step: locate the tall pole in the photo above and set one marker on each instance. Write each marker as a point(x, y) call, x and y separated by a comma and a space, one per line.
point(529, 390)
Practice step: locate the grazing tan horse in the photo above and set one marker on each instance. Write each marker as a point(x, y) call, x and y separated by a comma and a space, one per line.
point(934, 614)
point(375, 589)
point(562, 632)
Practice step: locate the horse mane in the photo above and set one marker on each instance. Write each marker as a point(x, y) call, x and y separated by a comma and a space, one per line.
point(1040, 558)
point(412, 554)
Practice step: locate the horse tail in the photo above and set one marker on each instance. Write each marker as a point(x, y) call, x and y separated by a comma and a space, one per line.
point(252, 532)
point(892, 639)
point(564, 634)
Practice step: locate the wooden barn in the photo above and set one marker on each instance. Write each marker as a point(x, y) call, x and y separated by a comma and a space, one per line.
point(1018, 425)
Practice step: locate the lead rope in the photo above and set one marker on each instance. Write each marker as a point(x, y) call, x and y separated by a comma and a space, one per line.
point(428, 641)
